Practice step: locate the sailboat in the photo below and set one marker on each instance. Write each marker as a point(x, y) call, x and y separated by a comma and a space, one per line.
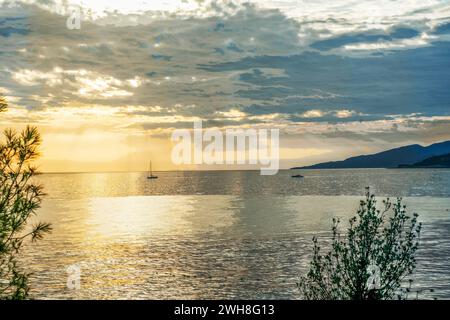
point(150, 173)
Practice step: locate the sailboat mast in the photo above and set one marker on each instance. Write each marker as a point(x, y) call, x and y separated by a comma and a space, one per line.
point(150, 172)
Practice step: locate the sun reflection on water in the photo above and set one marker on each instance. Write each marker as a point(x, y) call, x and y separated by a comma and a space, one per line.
point(142, 216)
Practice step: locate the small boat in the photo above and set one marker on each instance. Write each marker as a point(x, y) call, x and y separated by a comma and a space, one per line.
point(150, 173)
point(297, 176)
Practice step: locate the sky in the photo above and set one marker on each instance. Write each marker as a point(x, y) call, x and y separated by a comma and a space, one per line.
point(338, 78)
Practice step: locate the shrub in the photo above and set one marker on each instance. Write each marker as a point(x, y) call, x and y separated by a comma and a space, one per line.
point(371, 261)
point(3, 104)
point(19, 199)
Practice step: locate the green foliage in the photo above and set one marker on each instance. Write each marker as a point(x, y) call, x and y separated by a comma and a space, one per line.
point(3, 104)
point(370, 261)
point(19, 200)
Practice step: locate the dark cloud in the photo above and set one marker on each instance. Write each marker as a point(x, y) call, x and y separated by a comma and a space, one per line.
point(161, 57)
point(402, 82)
point(8, 31)
point(443, 29)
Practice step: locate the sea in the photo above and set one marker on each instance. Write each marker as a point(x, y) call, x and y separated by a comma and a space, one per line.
point(216, 234)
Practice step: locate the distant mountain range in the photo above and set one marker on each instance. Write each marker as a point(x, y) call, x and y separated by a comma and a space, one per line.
point(442, 161)
point(398, 157)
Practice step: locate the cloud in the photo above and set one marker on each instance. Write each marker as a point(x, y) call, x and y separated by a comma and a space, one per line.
point(84, 83)
point(312, 114)
point(345, 40)
point(262, 68)
point(344, 113)
point(442, 29)
point(34, 77)
point(377, 85)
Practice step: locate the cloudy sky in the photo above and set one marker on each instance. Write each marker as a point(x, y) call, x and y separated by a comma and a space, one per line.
point(338, 78)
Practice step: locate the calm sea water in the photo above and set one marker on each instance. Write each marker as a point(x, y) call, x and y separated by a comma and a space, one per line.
point(216, 235)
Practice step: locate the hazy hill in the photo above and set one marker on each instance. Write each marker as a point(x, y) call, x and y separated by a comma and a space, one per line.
point(393, 158)
point(442, 161)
